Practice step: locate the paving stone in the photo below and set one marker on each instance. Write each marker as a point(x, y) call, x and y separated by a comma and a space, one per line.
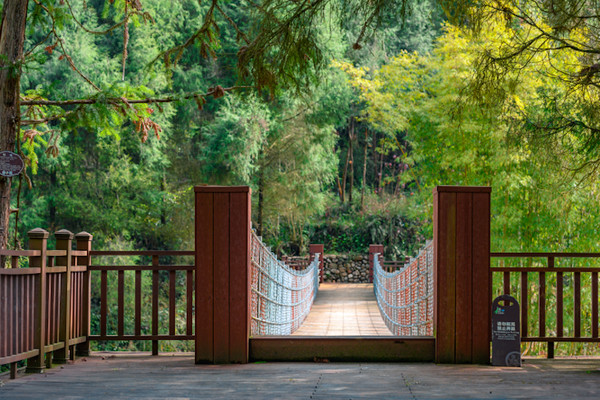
point(105, 376)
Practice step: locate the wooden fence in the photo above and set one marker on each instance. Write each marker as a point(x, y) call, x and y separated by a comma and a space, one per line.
point(156, 332)
point(44, 307)
point(538, 276)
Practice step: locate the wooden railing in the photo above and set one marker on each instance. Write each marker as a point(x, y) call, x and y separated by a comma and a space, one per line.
point(550, 281)
point(158, 273)
point(44, 307)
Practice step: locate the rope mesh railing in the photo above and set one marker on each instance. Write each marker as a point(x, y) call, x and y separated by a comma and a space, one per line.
point(281, 296)
point(405, 297)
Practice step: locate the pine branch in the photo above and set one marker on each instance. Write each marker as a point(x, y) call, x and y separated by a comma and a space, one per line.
point(216, 92)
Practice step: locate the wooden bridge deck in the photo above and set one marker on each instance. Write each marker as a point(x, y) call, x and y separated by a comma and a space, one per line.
point(344, 309)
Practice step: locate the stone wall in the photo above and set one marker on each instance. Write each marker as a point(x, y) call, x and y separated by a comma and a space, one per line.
point(345, 268)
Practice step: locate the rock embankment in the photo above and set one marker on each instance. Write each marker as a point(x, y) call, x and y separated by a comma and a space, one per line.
point(346, 268)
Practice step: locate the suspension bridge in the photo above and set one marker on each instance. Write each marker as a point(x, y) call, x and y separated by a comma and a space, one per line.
point(287, 301)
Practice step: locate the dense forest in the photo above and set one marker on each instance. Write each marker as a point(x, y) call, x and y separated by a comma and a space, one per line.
point(344, 149)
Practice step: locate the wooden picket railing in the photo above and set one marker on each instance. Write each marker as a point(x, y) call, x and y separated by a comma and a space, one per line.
point(550, 333)
point(155, 268)
point(44, 307)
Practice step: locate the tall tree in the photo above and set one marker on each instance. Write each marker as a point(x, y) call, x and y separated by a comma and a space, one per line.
point(12, 38)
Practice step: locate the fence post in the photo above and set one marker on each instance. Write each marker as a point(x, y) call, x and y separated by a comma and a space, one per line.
point(84, 243)
point(38, 240)
point(461, 248)
point(222, 249)
point(374, 248)
point(64, 240)
point(314, 249)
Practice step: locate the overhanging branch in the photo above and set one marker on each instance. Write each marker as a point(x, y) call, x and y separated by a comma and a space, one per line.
point(216, 92)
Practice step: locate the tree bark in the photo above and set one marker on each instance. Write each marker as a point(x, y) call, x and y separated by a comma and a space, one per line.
point(12, 39)
point(364, 176)
point(261, 183)
point(345, 176)
point(351, 168)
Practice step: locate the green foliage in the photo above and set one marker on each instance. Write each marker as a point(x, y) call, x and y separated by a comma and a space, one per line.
point(385, 220)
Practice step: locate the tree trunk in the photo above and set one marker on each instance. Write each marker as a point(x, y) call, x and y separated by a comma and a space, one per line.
point(344, 178)
point(364, 177)
point(12, 38)
point(375, 163)
point(259, 228)
point(351, 170)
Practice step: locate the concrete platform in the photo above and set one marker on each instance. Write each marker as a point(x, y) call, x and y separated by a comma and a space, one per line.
point(106, 376)
point(344, 309)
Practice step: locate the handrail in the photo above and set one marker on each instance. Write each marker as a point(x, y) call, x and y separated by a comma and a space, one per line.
point(551, 330)
point(405, 297)
point(281, 295)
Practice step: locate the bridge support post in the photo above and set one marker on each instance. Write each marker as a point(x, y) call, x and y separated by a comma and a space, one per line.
point(314, 249)
point(222, 249)
point(374, 248)
point(461, 234)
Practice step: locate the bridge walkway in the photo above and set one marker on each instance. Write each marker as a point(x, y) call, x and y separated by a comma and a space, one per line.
point(344, 309)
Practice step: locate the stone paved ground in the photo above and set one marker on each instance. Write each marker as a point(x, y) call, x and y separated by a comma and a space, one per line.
point(176, 377)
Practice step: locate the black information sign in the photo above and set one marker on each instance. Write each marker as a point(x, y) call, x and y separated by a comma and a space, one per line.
point(11, 164)
point(506, 332)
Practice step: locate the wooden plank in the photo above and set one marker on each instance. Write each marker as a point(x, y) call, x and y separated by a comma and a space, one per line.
point(103, 301)
point(155, 294)
point(545, 255)
point(142, 337)
point(342, 349)
point(446, 275)
point(464, 275)
point(221, 277)
point(524, 304)
point(562, 339)
point(13, 323)
point(159, 253)
point(204, 293)
point(19, 271)
point(156, 267)
point(482, 279)
point(172, 299)
point(239, 289)
point(189, 320)
point(19, 315)
point(559, 304)
point(436, 255)
point(544, 269)
point(121, 302)
point(84, 243)
point(138, 303)
point(542, 305)
point(4, 315)
point(38, 241)
point(19, 357)
point(29, 313)
point(20, 253)
point(577, 304)
point(220, 189)
point(594, 304)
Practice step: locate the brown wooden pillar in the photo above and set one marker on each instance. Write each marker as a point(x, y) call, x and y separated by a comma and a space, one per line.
point(38, 240)
point(84, 242)
point(320, 249)
point(461, 236)
point(222, 274)
point(373, 249)
point(64, 240)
